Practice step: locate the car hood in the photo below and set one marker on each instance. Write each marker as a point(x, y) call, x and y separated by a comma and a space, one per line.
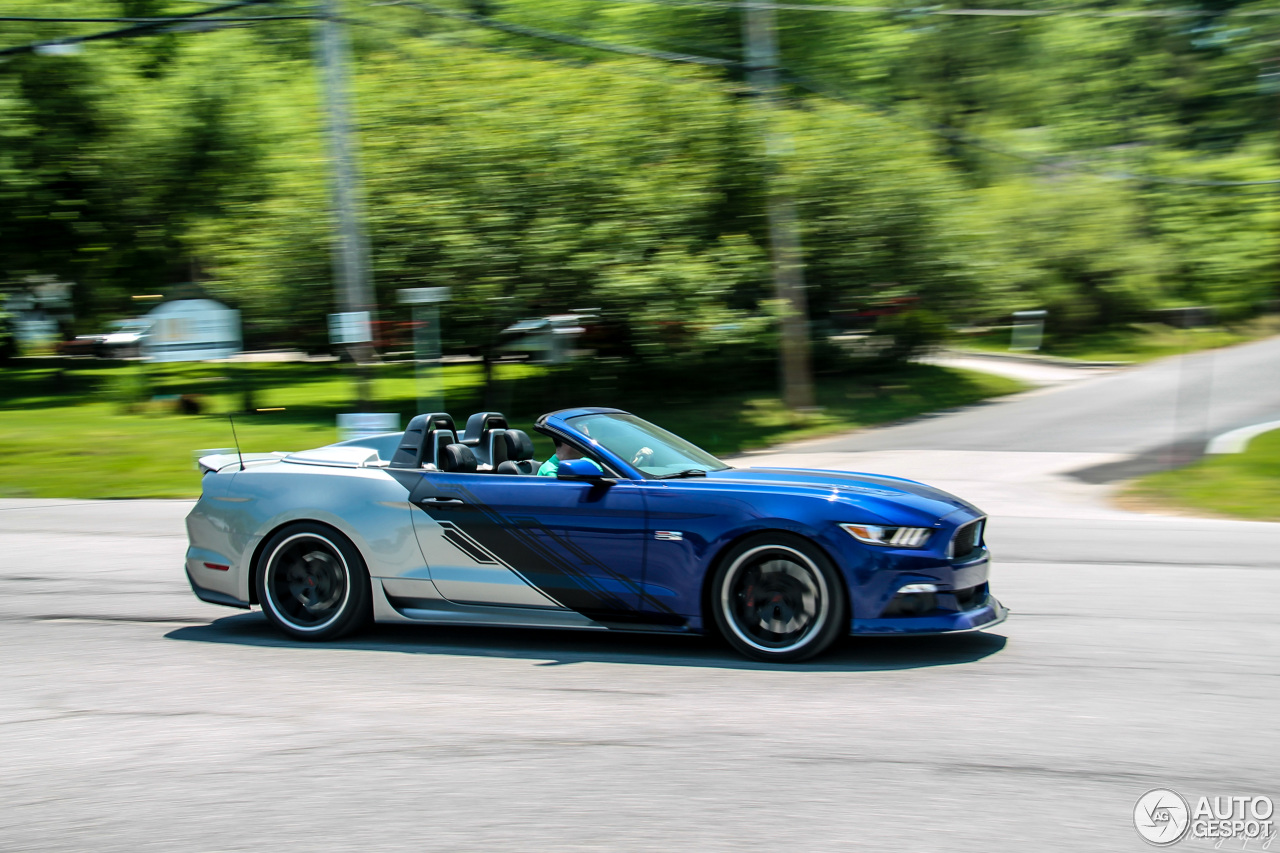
point(873, 491)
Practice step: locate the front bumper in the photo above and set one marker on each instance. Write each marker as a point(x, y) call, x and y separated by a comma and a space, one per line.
point(990, 613)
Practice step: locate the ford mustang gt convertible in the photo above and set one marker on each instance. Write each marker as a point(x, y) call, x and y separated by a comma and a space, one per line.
point(644, 532)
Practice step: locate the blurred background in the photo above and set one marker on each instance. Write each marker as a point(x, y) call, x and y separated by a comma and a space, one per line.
point(747, 222)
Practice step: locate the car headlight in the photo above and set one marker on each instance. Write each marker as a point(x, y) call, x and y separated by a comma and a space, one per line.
point(890, 537)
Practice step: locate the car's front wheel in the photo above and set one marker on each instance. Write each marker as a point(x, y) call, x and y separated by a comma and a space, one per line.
point(776, 597)
point(312, 582)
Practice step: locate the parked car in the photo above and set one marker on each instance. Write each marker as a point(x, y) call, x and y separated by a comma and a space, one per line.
point(80, 345)
point(125, 341)
point(646, 532)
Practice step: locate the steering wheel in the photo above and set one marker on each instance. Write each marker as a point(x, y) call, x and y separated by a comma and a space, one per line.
point(643, 457)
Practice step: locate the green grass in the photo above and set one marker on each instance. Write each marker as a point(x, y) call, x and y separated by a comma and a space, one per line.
point(76, 429)
point(1242, 485)
point(1138, 342)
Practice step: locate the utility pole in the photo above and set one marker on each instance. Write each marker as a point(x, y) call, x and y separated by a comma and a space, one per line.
point(784, 237)
point(351, 248)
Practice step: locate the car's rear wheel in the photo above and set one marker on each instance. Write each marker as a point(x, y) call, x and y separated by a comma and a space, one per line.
point(312, 582)
point(776, 597)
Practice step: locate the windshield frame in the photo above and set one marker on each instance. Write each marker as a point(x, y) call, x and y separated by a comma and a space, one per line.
point(602, 452)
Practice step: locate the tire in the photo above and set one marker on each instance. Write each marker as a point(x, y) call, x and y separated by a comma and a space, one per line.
point(776, 597)
point(312, 582)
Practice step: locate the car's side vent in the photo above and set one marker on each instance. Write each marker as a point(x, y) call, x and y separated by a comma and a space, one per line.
point(967, 539)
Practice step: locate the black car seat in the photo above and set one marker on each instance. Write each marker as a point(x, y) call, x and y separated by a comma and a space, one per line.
point(512, 452)
point(479, 434)
point(418, 444)
point(457, 458)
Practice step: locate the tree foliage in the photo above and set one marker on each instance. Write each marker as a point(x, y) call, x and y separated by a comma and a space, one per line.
point(535, 177)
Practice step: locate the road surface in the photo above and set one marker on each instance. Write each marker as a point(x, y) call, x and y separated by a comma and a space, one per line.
point(1181, 399)
point(1141, 653)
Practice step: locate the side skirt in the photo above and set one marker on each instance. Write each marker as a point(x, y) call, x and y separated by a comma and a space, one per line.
point(439, 611)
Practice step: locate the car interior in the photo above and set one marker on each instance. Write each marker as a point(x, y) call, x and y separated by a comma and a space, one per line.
point(488, 445)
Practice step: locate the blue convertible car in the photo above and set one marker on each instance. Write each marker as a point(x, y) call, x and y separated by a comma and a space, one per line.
point(645, 533)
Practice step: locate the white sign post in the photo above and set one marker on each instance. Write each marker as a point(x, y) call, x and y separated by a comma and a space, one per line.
point(426, 343)
point(354, 327)
point(1028, 330)
point(350, 327)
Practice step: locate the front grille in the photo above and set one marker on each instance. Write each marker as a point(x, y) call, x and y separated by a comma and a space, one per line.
point(967, 539)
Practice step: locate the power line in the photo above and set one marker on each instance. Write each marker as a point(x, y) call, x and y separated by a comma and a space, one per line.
point(170, 20)
point(538, 16)
point(576, 41)
point(456, 38)
point(798, 80)
point(129, 32)
point(802, 82)
point(922, 11)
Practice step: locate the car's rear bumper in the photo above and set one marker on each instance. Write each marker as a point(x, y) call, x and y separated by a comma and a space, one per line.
point(989, 614)
point(212, 596)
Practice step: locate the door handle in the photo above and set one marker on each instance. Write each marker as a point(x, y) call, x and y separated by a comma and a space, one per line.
point(445, 501)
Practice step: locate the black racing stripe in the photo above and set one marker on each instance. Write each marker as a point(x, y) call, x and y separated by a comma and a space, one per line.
point(550, 562)
point(466, 546)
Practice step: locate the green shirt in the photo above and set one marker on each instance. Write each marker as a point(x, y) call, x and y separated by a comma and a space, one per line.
point(549, 467)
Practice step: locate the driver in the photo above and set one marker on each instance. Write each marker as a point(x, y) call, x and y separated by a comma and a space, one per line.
point(564, 452)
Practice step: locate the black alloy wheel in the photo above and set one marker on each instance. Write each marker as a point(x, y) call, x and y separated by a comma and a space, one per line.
point(312, 583)
point(777, 597)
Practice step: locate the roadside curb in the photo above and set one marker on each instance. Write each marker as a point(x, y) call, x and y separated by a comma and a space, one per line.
point(1033, 359)
point(1237, 440)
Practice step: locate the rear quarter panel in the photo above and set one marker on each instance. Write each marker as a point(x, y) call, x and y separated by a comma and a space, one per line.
point(238, 510)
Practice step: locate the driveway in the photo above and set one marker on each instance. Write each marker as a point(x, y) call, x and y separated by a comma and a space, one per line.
point(1060, 451)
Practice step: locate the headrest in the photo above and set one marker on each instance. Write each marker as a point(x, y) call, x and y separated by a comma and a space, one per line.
point(457, 457)
point(517, 444)
point(440, 439)
point(438, 420)
point(480, 422)
point(414, 447)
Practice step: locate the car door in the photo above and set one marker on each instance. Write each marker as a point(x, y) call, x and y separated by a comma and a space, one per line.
point(533, 541)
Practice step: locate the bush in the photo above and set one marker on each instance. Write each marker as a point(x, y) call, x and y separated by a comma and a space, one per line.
point(912, 332)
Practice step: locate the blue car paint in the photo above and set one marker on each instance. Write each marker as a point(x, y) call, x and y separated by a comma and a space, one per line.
point(715, 511)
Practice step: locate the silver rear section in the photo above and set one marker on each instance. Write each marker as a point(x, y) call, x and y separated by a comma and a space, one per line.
point(402, 546)
point(239, 509)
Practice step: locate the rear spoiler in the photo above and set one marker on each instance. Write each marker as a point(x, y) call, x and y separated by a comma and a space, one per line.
point(218, 462)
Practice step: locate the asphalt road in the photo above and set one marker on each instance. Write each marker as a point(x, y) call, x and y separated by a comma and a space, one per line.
point(1181, 400)
point(1141, 653)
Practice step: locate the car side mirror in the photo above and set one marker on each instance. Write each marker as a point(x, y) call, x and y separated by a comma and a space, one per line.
point(582, 469)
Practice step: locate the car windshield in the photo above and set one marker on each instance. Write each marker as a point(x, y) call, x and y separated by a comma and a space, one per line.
point(651, 449)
